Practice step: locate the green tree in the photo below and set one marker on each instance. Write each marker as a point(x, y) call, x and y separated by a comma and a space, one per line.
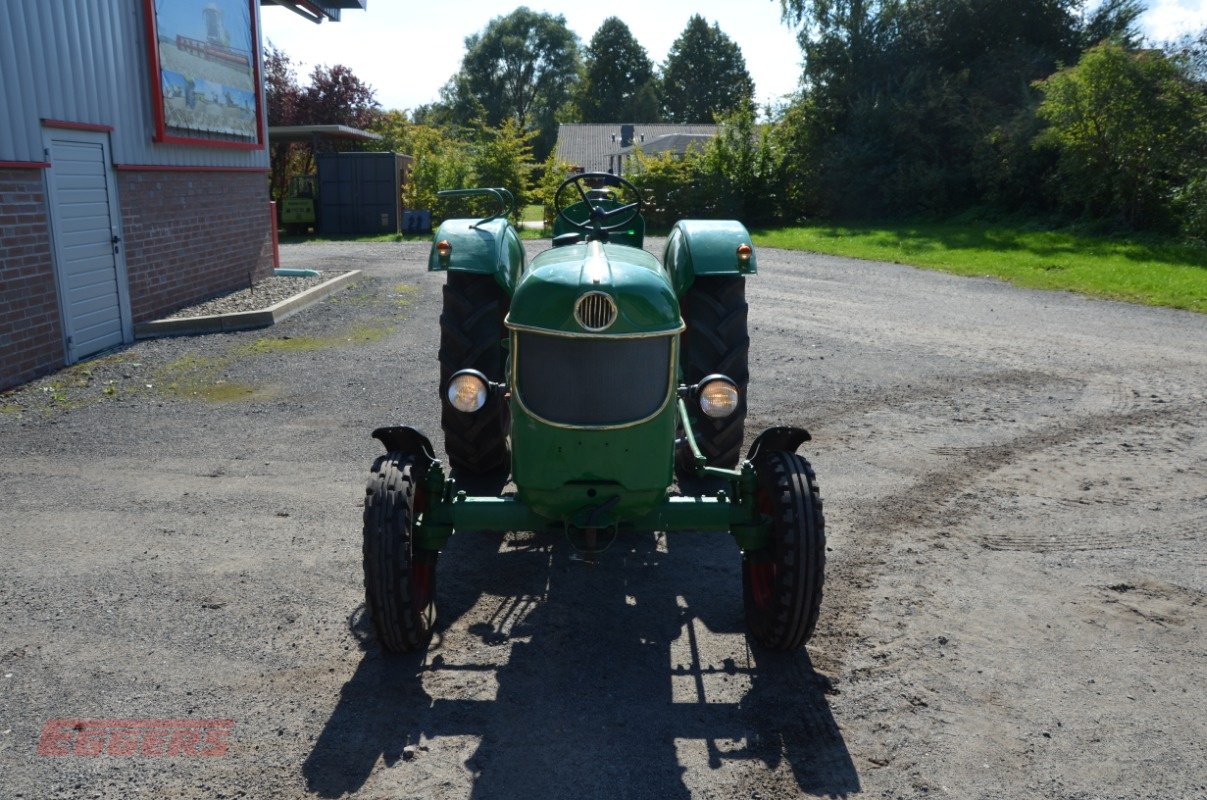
point(1113, 20)
point(619, 84)
point(928, 106)
point(334, 95)
point(704, 75)
point(395, 129)
point(502, 157)
point(743, 169)
point(670, 187)
point(282, 93)
point(553, 172)
point(440, 163)
point(1127, 126)
point(524, 66)
point(1190, 51)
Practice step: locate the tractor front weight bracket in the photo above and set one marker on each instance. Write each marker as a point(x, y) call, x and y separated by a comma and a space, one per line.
point(446, 510)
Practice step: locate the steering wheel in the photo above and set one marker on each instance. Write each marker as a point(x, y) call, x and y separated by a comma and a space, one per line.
point(601, 219)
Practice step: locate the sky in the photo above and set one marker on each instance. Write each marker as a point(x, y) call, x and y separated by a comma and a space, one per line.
point(407, 50)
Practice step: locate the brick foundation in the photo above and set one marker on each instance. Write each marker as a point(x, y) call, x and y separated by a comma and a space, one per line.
point(192, 235)
point(187, 235)
point(31, 337)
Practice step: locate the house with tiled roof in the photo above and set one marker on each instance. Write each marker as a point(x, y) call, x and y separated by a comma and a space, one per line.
point(608, 147)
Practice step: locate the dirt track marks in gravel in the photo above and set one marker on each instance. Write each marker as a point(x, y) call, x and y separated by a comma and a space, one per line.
point(1014, 607)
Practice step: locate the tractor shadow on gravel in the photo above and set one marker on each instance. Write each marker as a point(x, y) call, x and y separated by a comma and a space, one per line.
point(610, 682)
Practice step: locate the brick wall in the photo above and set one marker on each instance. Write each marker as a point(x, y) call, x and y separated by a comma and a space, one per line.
point(31, 335)
point(192, 235)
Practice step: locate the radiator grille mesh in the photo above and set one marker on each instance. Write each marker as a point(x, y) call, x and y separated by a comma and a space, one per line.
point(593, 380)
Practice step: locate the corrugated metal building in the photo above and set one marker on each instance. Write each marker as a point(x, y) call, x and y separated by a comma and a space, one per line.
point(133, 167)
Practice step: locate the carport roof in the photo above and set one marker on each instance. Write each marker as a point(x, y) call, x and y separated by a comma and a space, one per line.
point(309, 133)
point(318, 10)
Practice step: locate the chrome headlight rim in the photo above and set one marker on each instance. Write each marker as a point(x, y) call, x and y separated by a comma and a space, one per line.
point(718, 396)
point(467, 391)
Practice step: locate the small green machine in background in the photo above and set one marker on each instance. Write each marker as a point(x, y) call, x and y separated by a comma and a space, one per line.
point(595, 377)
point(298, 208)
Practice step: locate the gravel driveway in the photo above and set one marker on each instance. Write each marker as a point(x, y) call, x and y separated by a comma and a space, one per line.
point(1016, 497)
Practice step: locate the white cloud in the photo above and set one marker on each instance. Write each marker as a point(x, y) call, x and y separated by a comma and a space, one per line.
point(1169, 19)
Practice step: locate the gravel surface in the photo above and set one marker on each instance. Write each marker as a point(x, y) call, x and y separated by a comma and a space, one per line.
point(1015, 599)
point(267, 292)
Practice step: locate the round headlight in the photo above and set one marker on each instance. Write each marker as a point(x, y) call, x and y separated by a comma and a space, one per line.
point(467, 391)
point(718, 397)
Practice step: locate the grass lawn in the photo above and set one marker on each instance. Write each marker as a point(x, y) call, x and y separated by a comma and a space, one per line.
point(534, 214)
point(1139, 270)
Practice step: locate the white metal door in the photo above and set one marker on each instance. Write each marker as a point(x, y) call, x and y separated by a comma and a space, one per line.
point(92, 290)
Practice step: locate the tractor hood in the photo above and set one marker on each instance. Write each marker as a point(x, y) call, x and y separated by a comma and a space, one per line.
point(637, 297)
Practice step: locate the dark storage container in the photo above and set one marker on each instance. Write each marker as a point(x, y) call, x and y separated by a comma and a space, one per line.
point(360, 193)
point(417, 221)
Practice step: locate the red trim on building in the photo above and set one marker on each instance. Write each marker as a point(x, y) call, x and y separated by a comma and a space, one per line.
point(24, 164)
point(169, 139)
point(276, 240)
point(179, 168)
point(161, 130)
point(77, 126)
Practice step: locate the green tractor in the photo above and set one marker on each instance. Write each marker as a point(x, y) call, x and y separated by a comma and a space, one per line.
point(298, 210)
point(594, 376)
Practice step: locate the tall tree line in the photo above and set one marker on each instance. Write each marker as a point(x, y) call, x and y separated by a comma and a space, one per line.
point(936, 106)
point(529, 67)
point(905, 108)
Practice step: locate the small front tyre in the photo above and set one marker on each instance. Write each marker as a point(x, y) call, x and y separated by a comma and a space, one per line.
point(782, 583)
point(400, 578)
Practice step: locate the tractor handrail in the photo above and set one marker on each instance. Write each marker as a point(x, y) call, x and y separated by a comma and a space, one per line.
point(502, 196)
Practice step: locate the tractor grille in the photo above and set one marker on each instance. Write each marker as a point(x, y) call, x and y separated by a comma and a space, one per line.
point(593, 381)
point(595, 311)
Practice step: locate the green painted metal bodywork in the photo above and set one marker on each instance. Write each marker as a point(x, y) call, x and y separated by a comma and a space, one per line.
point(561, 470)
point(568, 475)
point(486, 248)
point(706, 247)
point(546, 294)
point(576, 504)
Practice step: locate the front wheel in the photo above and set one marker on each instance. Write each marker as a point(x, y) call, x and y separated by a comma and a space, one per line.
point(782, 582)
point(400, 578)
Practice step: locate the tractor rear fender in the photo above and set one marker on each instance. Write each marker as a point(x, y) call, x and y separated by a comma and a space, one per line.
point(490, 247)
point(706, 247)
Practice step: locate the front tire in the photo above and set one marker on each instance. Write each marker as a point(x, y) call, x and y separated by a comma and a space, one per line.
point(715, 341)
point(471, 337)
point(782, 583)
point(400, 578)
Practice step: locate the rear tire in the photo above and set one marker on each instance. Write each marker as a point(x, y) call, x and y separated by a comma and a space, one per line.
point(471, 337)
point(400, 578)
point(782, 583)
point(715, 341)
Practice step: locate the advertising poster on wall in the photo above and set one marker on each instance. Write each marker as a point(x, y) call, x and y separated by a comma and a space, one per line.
point(206, 70)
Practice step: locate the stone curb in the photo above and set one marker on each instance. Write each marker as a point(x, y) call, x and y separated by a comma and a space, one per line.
point(245, 320)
